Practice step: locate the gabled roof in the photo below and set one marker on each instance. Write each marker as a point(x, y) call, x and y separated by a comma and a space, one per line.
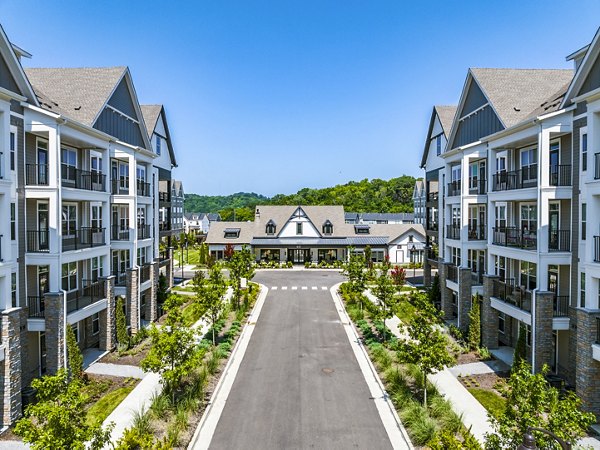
point(281, 214)
point(216, 233)
point(445, 114)
point(8, 52)
point(151, 113)
point(592, 53)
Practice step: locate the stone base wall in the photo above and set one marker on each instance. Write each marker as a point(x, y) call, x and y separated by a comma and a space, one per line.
point(133, 299)
point(151, 294)
point(11, 366)
point(445, 293)
point(464, 298)
point(426, 270)
point(108, 323)
point(489, 315)
point(169, 268)
point(543, 329)
point(587, 380)
point(55, 331)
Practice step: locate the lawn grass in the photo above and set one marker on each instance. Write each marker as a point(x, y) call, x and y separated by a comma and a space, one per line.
point(103, 407)
point(494, 403)
point(405, 311)
point(191, 314)
point(191, 256)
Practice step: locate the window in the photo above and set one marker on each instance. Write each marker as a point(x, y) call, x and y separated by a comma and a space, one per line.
point(583, 220)
point(141, 256)
point(501, 322)
point(299, 228)
point(438, 144)
point(584, 151)
point(361, 229)
point(327, 227)
point(270, 254)
point(456, 256)
point(528, 275)
point(13, 147)
point(455, 173)
point(68, 163)
point(500, 164)
point(13, 231)
point(124, 176)
point(528, 335)
point(456, 217)
point(96, 323)
point(69, 219)
point(410, 238)
point(271, 227)
point(96, 217)
point(158, 144)
point(529, 218)
point(501, 267)
point(96, 268)
point(232, 233)
point(13, 289)
point(140, 172)
point(75, 328)
point(69, 276)
point(529, 164)
point(582, 290)
point(473, 175)
point(327, 255)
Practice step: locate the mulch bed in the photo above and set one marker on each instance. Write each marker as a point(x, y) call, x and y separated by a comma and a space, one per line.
point(487, 381)
point(131, 357)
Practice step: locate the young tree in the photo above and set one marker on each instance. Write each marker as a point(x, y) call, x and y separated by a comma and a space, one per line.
point(532, 402)
point(58, 420)
point(425, 345)
point(163, 290)
point(122, 335)
point(434, 292)
point(398, 276)
point(384, 291)
point(210, 294)
point(354, 269)
point(475, 324)
point(74, 355)
point(173, 353)
point(368, 255)
point(240, 266)
point(229, 251)
point(520, 354)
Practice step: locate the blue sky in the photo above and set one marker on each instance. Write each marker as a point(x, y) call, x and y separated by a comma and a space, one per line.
point(274, 96)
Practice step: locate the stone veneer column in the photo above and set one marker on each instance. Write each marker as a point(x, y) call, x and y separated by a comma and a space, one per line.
point(169, 268)
point(489, 315)
point(544, 307)
point(107, 318)
point(54, 313)
point(464, 297)
point(133, 299)
point(426, 268)
point(151, 303)
point(587, 377)
point(445, 293)
point(11, 366)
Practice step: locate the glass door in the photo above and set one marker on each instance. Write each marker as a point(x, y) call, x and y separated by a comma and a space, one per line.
point(43, 240)
point(553, 225)
point(554, 164)
point(42, 160)
point(96, 171)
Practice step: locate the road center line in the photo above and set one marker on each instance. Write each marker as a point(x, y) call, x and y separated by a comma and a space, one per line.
point(284, 288)
point(294, 288)
point(304, 288)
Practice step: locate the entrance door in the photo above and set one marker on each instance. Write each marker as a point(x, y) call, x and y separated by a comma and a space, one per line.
point(298, 256)
point(553, 225)
point(554, 165)
point(96, 171)
point(43, 284)
point(43, 227)
point(42, 160)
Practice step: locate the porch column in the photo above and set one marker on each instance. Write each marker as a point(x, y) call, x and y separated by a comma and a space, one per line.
point(489, 315)
point(55, 318)
point(107, 318)
point(11, 366)
point(446, 293)
point(587, 377)
point(464, 298)
point(544, 302)
point(133, 298)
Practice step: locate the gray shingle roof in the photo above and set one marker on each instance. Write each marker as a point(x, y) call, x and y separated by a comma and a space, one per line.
point(150, 114)
point(516, 93)
point(446, 115)
point(77, 93)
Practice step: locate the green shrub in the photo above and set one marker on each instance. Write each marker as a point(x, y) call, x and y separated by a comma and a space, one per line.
point(75, 357)
point(122, 335)
point(421, 427)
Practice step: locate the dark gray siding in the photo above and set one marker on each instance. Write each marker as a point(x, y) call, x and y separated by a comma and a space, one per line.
point(432, 175)
point(474, 100)
point(473, 128)
point(593, 79)
point(120, 127)
point(565, 149)
point(121, 100)
point(19, 167)
point(164, 174)
point(16, 107)
point(580, 108)
point(6, 79)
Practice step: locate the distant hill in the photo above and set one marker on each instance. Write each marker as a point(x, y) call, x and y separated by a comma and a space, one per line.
point(394, 195)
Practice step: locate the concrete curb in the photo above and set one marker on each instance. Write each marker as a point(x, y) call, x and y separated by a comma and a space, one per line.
point(208, 423)
point(391, 422)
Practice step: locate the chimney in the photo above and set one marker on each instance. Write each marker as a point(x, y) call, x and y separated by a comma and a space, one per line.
point(257, 214)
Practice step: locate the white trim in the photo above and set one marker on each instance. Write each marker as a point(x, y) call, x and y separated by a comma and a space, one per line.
point(17, 115)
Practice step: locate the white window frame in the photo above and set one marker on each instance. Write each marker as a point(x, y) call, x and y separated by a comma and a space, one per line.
point(584, 154)
point(69, 287)
point(14, 136)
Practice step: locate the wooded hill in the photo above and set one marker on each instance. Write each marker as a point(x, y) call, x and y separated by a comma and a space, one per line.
point(394, 195)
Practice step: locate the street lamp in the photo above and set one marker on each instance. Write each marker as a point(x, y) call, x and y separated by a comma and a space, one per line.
point(413, 252)
point(529, 440)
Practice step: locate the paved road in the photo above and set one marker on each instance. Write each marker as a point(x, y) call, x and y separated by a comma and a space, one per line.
point(299, 384)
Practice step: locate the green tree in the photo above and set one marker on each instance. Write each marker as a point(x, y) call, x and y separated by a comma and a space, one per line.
point(385, 291)
point(354, 269)
point(532, 402)
point(210, 294)
point(173, 353)
point(368, 256)
point(434, 293)
point(122, 334)
point(58, 420)
point(163, 290)
point(475, 323)
point(240, 266)
point(74, 354)
point(425, 345)
point(520, 353)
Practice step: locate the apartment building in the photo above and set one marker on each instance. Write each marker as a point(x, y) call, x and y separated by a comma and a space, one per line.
point(419, 200)
point(518, 189)
point(79, 181)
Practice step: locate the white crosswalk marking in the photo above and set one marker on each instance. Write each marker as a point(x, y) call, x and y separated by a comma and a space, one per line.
point(284, 288)
point(274, 288)
point(323, 288)
point(304, 288)
point(314, 288)
point(294, 288)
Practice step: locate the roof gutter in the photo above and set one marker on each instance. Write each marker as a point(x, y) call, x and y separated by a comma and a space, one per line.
point(9, 95)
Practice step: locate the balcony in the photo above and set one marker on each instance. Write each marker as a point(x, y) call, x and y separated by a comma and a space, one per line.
point(143, 189)
point(119, 234)
point(477, 278)
point(145, 273)
point(431, 226)
point(514, 237)
point(82, 179)
point(477, 187)
point(36, 174)
point(36, 306)
point(91, 292)
point(433, 197)
point(516, 179)
point(507, 292)
point(143, 231)
point(560, 307)
point(452, 273)
point(596, 248)
point(432, 254)
point(559, 241)
point(454, 188)
point(164, 226)
point(164, 197)
point(477, 233)
point(120, 278)
point(120, 186)
point(84, 237)
point(452, 232)
point(38, 241)
point(560, 175)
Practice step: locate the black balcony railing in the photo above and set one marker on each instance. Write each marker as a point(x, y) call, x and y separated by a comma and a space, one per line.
point(477, 233)
point(559, 240)
point(120, 186)
point(145, 273)
point(120, 278)
point(452, 273)
point(82, 179)
point(431, 225)
point(596, 166)
point(516, 179)
point(477, 278)
point(38, 241)
point(560, 175)
point(164, 197)
point(143, 188)
point(91, 292)
point(143, 231)
point(452, 232)
point(596, 248)
point(506, 291)
point(84, 237)
point(1, 165)
point(597, 330)
point(433, 197)
point(35, 305)
point(514, 237)
point(432, 254)
point(560, 307)
point(119, 234)
point(36, 174)
point(164, 226)
point(454, 188)
point(477, 186)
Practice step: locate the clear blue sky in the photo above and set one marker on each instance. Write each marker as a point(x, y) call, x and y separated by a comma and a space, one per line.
point(273, 96)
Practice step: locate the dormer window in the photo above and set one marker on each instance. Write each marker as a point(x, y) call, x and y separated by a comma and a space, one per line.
point(232, 233)
point(271, 227)
point(327, 227)
point(361, 229)
point(299, 228)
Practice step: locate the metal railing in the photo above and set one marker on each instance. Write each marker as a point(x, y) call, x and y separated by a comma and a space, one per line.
point(82, 179)
point(478, 187)
point(516, 179)
point(143, 188)
point(597, 330)
point(452, 232)
point(452, 273)
point(433, 197)
point(164, 197)
point(596, 248)
point(118, 189)
point(143, 231)
point(145, 273)
point(164, 226)
point(120, 278)
point(119, 234)
point(36, 306)
point(596, 166)
point(38, 241)
point(84, 237)
point(36, 174)
point(559, 240)
point(477, 278)
point(560, 307)
point(506, 291)
point(477, 233)
point(560, 175)
point(91, 292)
point(514, 237)
point(432, 254)
point(454, 188)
